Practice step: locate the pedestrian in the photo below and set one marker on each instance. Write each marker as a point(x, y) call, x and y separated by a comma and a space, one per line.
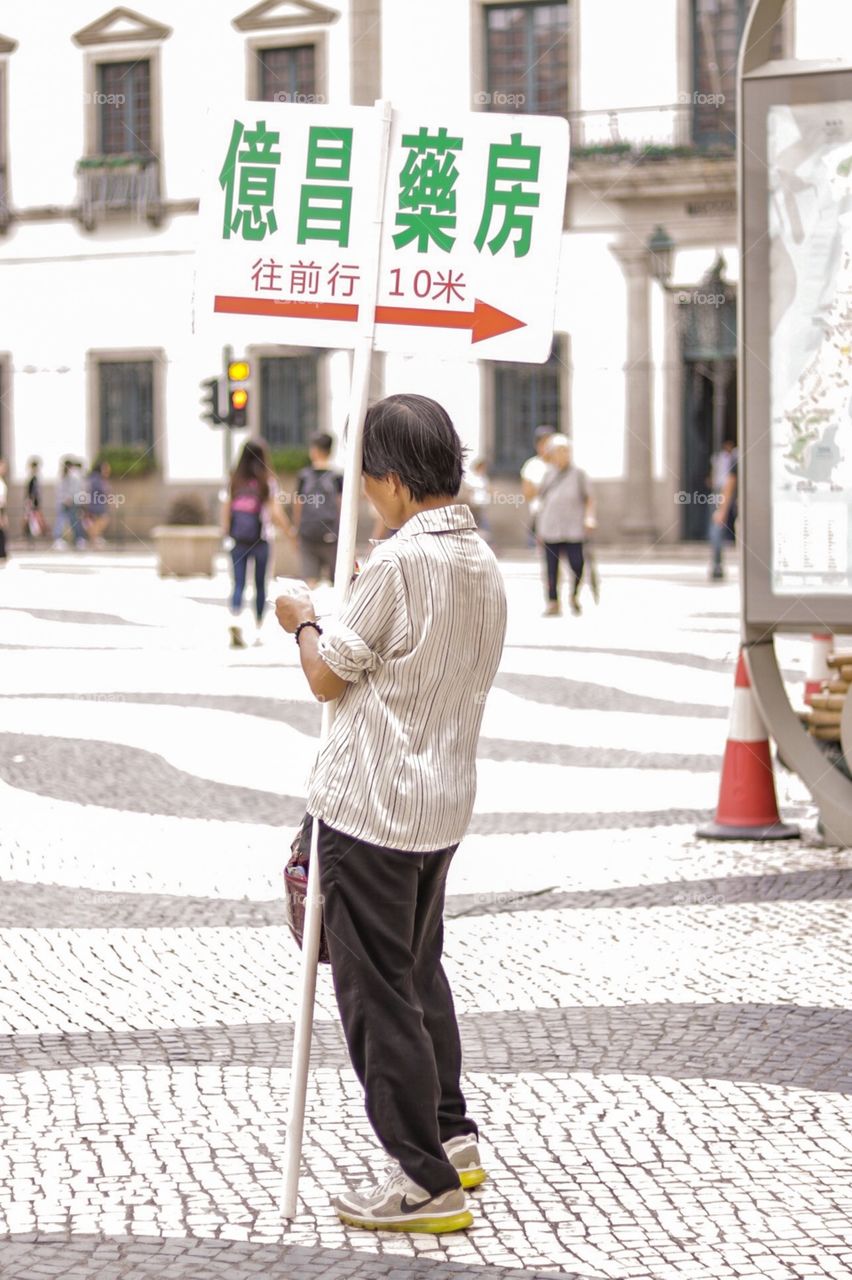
point(68, 507)
point(532, 474)
point(479, 495)
point(250, 515)
point(97, 506)
point(316, 512)
point(4, 499)
point(34, 522)
point(409, 661)
point(565, 516)
point(80, 502)
point(724, 511)
point(723, 466)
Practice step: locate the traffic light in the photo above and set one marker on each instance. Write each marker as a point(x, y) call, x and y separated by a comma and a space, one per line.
point(210, 401)
point(239, 372)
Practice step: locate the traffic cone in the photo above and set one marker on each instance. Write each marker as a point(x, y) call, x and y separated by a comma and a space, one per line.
point(747, 808)
point(821, 646)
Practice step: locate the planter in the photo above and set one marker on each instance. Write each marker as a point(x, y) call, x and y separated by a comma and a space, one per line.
point(186, 551)
point(284, 561)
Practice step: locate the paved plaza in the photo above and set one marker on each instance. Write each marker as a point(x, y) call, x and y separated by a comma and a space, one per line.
point(657, 1029)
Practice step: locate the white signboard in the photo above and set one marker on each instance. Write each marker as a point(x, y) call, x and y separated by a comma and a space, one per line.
point(468, 246)
point(810, 228)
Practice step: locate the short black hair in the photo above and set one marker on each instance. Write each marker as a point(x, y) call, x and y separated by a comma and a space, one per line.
point(322, 441)
point(413, 438)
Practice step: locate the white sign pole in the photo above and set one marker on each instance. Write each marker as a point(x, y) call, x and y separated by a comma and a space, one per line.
point(344, 564)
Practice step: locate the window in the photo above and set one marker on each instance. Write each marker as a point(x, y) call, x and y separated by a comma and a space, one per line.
point(287, 74)
point(289, 400)
point(527, 58)
point(124, 108)
point(526, 396)
point(126, 403)
point(717, 27)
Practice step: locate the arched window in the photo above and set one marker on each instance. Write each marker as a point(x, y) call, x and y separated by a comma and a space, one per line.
point(717, 28)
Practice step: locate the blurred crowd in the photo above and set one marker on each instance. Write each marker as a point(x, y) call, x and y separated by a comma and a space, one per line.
point(83, 505)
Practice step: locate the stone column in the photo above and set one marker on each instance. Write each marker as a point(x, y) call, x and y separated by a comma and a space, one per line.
point(637, 507)
point(366, 51)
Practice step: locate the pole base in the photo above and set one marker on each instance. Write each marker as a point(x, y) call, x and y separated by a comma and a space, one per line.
point(772, 831)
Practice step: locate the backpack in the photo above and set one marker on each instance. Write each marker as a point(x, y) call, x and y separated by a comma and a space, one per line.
point(246, 507)
point(318, 494)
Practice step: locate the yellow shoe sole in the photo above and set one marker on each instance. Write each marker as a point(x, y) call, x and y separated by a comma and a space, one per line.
point(434, 1226)
point(472, 1178)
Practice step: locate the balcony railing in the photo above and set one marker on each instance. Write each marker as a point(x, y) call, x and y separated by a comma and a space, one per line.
point(679, 129)
point(109, 185)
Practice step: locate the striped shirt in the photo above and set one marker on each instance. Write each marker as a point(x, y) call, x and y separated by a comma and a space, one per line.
point(418, 642)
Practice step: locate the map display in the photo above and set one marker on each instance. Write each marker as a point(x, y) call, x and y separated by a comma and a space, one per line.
point(809, 155)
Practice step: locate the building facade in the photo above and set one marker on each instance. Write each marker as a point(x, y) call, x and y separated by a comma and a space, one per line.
point(102, 127)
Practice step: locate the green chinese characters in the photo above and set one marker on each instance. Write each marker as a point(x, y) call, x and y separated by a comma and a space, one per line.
point(426, 209)
point(510, 167)
point(248, 180)
point(426, 206)
point(325, 205)
point(427, 199)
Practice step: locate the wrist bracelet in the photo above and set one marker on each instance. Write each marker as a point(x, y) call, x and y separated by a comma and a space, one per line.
point(309, 622)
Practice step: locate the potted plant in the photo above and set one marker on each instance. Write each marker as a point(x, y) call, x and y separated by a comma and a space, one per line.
point(187, 544)
point(135, 477)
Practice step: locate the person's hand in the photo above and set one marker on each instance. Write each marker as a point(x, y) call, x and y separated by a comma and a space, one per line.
point(590, 524)
point(718, 517)
point(294, 605)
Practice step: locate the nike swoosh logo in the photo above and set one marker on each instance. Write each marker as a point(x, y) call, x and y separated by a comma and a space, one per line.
point(412, 1208)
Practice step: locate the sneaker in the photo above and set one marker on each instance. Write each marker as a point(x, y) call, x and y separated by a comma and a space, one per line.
point(553, 610)
point(237, 641)
point(398, 1204)
point(463, 1155)
point(575, 607)
point(59, 545)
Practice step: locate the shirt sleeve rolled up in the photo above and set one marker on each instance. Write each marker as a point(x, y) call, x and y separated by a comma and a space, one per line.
point(372, 626)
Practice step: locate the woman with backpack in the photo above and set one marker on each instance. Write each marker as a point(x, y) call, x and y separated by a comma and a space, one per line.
point(250, 515)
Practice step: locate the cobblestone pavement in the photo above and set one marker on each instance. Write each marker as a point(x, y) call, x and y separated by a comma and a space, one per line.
point(657, 1029)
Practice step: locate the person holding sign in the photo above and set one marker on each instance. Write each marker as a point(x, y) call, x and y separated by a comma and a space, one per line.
point(409, 660)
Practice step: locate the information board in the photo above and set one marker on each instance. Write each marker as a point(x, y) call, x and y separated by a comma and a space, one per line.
point(809, 156)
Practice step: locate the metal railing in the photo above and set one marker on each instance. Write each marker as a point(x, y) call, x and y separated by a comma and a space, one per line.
point(690, 127)
point(118, 184)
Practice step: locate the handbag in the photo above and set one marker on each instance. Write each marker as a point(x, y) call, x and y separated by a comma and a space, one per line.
point(296, 888)
point(36, 527)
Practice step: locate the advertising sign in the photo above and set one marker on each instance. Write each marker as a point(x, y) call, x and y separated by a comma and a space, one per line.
point(466, 233)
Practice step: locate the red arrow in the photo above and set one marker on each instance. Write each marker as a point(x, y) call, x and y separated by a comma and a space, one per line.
point(287, 310)
point(484, 321)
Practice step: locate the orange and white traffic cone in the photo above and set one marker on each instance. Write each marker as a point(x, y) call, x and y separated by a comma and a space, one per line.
point(821, 646)
point(747, 809)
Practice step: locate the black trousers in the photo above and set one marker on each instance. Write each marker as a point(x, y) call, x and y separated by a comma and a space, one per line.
point(384, 922)
point(573, 552)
